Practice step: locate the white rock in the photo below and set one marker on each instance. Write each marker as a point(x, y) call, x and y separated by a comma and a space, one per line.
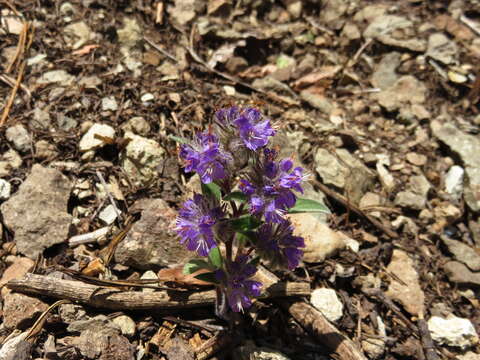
point(138, 125)
point(147, 97)
point(77, 34)
point(149, 275)
point(321, 242)
point(454, 181)
point(109, 103)
point(453, 331)
point(126, 325)
point(141, 158)
point(36, 59)
point(352, 244)
point(326, 300)
point(90, 142)
point(56, 76)
point(19, 136)
point(5, 189)
point(108, 215)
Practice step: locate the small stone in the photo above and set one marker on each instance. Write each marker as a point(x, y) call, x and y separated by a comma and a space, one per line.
point(459, 274)
point(90, 82)
point(66, 123)
point(20, 311)
point(385, 74)
point(109, 104)
point(407, 90)
point(229, 90)
point(344, 170)
point(19, 136)
point(130, 34)
point(152, 242)
point(37, 212)
point(145, 98)
point(77, 34)
point(452, 331)
point(40, 119)
point(387, 180)
point(126, 325)
point(252, 352)
point(141, 159)
point(45, 150)
point(416, 159)
point(454, 182)
point(138, 125)
point(317, 101)
point(10, 160)
point(236, 64)
point(108, 215)
point(351, 31)
point(467, 147)
point(441, 48)
point(409, 295)
point(326, 300)
point(71, 312)
point(5, 189)
point(56, 76)
point(90, 142)
point(19, 267)
point(321, 242)
point(457, 77)
point(468, 356)
point(462, 252)
point(149, 275)
point(295, 9)
point(410, 200)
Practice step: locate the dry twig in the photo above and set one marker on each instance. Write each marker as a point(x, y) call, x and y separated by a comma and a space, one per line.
point(116, 299)
point(316, 324)
point(342, 200)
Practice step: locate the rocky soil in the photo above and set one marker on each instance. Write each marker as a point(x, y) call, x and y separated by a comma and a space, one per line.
point(378, 99)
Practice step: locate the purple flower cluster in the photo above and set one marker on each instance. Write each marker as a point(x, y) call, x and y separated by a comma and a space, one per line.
point(276, 243)
point(237, 144)
point(206, 156)
point(270, 185)
point(239, 288)
point(195, 223)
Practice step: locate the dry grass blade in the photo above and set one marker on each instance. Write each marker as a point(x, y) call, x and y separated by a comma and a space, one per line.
point(37, 327)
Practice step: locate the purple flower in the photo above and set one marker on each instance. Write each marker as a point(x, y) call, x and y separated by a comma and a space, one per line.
point(205, 156)
point(276, 243)
point(226, 117)
point(254, 129)
point(270, 187)
point(195, 223)
point(237, 285)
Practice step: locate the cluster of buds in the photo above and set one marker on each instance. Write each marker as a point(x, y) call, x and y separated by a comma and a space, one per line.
point(240, 217)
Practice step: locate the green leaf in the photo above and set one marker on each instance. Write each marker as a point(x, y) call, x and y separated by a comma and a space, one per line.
point(244, 223)
point(236, 195)
point(195, 265)
point(208, 277)
point(215, 257)
point(179, 139)
point(212, 190)
point(307, 205)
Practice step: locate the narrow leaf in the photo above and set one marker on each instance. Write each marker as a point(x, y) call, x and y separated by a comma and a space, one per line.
point(236, 195)
point(194, 265)
point(307, 205)
point(211, 190)
point(215, 257)
point(179, 139)
point(245, 223)
point(207, 277)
